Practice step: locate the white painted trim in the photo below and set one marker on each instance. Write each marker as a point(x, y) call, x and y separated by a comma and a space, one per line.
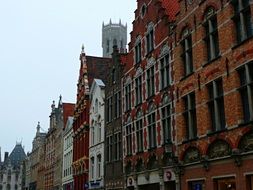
point(196, 179)
point(224, 176)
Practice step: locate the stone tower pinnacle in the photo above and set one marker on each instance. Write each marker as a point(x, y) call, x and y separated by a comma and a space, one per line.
point(113, 34)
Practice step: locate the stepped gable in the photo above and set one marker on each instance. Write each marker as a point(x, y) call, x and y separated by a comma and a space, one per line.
point(171, 8)
point(17, 155)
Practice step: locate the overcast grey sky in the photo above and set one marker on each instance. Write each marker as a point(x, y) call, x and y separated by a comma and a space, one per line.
point(40, 43)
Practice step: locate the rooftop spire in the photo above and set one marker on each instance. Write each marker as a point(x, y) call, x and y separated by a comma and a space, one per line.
point(38, 127)
point(83, 48)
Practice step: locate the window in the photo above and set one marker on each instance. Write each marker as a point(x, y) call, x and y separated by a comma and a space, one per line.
point(92, 160)
point(107, 46)
point(139, 131)
point(117, 139)
point(117, 105)
point(150, 38)
point(99, 167)
point(129, 139)
point(92, 135)
point(165, 72)
point(115, 42)
point(113, 76)
point(199, 185)
point(216, 105)
point(225, 184)
point(246, 90)
point(96, 105)
point(187, 52)
point(249, 180)
point(109, 146)
point(99, 133)
point(152, 126)
point(109, 109)
point(190, 116)
point(166, 119)
point(212, 40)
point(242, 19)
point(138, 51)
point(128, 97)
point(138, 90)
point(151, 81)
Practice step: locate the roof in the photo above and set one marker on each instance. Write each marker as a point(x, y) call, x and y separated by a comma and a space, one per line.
point(97, 67)
point(99, 82)
point(17, 155)
point(171, 8)
point(68, 110)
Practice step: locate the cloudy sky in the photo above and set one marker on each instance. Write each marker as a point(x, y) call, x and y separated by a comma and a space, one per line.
point(40, 43)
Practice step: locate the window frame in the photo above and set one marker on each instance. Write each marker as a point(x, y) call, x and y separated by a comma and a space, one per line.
point(187, 55)
point(150, 81)
point(151, 126)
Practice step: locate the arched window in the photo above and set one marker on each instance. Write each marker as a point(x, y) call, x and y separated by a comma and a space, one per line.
point(139, 131)
point(186, 44)
point(165, 70)
point(96, 105)
point(137, 50)
point(152, 125)
point(92, 165)
point(99, 166)
point(212, 40)
point(150, 38)
point(99, 130)
point(115, 42)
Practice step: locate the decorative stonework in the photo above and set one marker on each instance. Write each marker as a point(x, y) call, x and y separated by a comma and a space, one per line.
point(246, 143)
point(192, 154)
point(219, 149)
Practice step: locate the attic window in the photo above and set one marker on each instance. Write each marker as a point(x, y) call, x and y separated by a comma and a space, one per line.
point(143, 10)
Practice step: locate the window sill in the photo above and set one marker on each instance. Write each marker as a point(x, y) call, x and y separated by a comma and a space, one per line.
point(243, 124)
point(211, 61)
point(138, 104)
point(152, 148)
point(165, 88)
point(190, 140)
point(150, 97)
point(242, 42)
point(216, 132)
point(149, 54)
point(186, 76)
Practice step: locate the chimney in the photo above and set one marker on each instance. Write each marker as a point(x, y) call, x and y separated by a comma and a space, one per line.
point(6, 155)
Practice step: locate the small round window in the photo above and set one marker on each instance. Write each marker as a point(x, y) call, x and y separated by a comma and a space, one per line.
point(143, 10)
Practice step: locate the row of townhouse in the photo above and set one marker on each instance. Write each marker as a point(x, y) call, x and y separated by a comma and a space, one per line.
point(174, 112)
point(183, 95)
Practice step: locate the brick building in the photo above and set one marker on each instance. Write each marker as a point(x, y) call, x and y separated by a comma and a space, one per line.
point(90, 68)
point(114, 178)
point(148, 93)
point(213, 75)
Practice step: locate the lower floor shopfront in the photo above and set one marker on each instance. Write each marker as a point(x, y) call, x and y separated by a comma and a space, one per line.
point(163, 179)
point(220, 175)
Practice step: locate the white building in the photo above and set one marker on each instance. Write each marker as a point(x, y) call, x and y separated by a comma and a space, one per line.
point(67, 175)
point(96, 145)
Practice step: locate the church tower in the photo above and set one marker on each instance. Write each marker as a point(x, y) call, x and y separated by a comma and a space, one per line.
point(114, 34)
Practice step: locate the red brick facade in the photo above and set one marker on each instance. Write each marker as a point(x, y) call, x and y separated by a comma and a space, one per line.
point(90, 68)
point(214, 158)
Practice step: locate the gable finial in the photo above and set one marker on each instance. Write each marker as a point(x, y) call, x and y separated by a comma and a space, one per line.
point(82, 48)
